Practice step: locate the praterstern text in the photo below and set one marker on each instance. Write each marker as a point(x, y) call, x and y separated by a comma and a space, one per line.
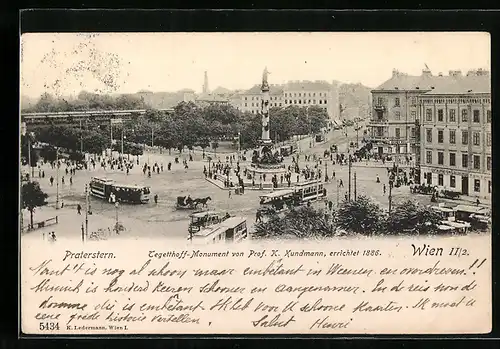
point(88, 255)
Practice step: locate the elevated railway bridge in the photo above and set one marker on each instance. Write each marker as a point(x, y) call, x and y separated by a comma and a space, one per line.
point(76, 118)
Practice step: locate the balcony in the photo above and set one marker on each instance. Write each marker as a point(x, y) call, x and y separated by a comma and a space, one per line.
point(379, 107)
point(379, 121)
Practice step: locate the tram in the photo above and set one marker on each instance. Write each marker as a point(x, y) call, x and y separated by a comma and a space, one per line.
point(232, 229)
point(310, 191)
point(107, 189)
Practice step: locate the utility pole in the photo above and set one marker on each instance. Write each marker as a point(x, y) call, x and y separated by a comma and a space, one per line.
point(239, 145)
point(326, 171)
point(337, 182)
point(86, 211)
point(111, 135)
point(81, 137)
point(390, 196)
point(350, 165)
point(355, 186)
point(116, 217)
point(57, 178)
point(122, 145)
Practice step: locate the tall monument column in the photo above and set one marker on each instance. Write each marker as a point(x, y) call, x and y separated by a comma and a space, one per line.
point(265, 139)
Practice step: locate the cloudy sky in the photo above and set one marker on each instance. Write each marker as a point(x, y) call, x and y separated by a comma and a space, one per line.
point(64, 64)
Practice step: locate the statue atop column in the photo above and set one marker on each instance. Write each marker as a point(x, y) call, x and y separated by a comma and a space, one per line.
point(265, 84)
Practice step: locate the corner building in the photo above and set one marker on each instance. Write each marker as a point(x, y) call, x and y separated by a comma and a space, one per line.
point(455, 133)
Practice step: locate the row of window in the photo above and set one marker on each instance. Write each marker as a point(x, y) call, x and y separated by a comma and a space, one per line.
point(452, 117)
point(456, 101)
point(272, 104)
point(305, 94)
point(254, 111)
point(453, 182)
point(380, 132)
point(452, 137)
point(452, 160)
point(272, 98)
point(310, 101)
point(397, 101)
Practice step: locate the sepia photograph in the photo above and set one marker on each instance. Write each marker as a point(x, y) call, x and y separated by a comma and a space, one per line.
point(300, 138)
point(307, 182)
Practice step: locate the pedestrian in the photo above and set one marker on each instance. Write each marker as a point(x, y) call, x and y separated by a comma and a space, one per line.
point(71, 180)
point(384, 188)
point(341, 184)
point(229, 192)
point(62, 203)
point(258, 216)
point(477, 202)
point(156, 198)
point(378, 179)
point(51, 181)
point(62, 180)
point(79, 209)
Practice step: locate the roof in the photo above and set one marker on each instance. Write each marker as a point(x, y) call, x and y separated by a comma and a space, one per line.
point(215, 229)
point(278, 193)
point(303, 184)
point(437, 84)
point(205, 213)
point(307, 86)
point(211, 98)
point(256, 90)
point(130, 186)
point(468, 208)
point(221, 90)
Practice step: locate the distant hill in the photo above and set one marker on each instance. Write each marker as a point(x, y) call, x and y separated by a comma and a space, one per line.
point(27, 102)
point(355, 99)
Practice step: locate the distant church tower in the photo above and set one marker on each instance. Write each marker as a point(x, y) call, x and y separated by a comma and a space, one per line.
point(205, 84)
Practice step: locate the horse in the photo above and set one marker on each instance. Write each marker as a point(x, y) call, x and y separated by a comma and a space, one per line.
point(202, 201)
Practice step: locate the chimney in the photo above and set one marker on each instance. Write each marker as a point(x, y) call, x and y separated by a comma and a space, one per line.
point(395, 72)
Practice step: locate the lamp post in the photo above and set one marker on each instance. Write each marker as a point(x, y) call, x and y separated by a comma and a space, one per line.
point(349, 184)
point(355, 186)
point(86, 211)
point(239, 145)
point(57, 178)
point(116, 216)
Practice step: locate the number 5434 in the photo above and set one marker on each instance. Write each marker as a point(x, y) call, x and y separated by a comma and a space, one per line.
point(49, 326)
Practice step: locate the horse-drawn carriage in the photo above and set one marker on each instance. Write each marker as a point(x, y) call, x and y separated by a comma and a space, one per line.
point(450, 194)
point(186, 203)
point(422, 189)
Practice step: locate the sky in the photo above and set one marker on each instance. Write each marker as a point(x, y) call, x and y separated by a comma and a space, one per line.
point(66, 63)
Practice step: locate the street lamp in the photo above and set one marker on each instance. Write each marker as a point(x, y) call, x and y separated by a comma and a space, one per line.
point(57, 178)
point(116, 216)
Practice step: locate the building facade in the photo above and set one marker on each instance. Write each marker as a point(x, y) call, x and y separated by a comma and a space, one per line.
point(455, 134)
point(251, 99)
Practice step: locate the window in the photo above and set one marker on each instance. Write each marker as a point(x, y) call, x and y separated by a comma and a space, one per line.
point(413, 100)
point(440, 158)
point(324, 102)
point(294, 101)
point(429, 135)
point(452, 181)
point(398, 132)
point(465, 160)
point(428, 157)
point(465, 137)
point(413, 131)
point(252, 105)
point(314, 101)
point(440, 179)
point(477, 162)
point(488, 116)
point(440, 136)
point(453, 116)
point(488, 163)
point(489, 187)
point(246, 104)
point(452, 137)
point(397, 102)
point(314, 94)
point(320, 101)
point(476, 138)
point(428, 115)
point(397, 115)
point(300, 95)
point(464, 115)
point(413, 114)
point(245, 98)
point(488, 139)
point(300, 100)
point(475, 116)
point(453, 159)
point(477, 185)
point(440, 115)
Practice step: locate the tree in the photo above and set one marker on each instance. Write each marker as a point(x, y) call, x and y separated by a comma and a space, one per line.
point(361, 216)
point(32, 197)
point(27, 143)
point(302, 223)
point(409, 217)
